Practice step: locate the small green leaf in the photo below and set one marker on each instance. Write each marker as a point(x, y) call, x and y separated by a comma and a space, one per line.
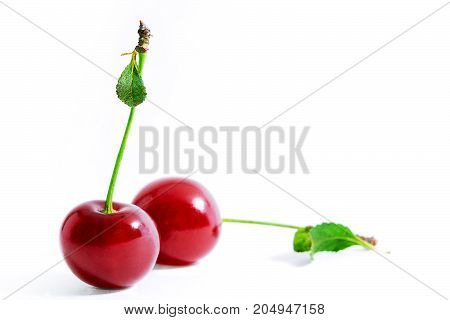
point(130, 87)
point(333, 237)
point(302, 241)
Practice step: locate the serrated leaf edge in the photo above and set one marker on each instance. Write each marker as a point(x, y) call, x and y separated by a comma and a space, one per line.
point(358, 241)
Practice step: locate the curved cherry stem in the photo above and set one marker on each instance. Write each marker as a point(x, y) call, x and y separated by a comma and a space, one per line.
point(108, 203)
point(264, 223)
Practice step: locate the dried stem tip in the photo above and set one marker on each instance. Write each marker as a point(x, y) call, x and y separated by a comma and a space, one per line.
point(144, 38)
point(370, 240)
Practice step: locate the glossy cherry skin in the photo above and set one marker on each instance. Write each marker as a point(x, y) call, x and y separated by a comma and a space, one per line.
point(186, 216)
point(110, 251)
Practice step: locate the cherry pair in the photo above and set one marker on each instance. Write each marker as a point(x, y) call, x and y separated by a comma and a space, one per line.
point(171, 221)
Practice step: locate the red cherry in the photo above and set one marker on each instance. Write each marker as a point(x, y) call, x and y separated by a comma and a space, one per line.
point(186, 216)
point(110, 251)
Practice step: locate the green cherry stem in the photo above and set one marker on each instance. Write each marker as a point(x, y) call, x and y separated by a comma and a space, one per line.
point(109, 198)
point(264, 223)
point(141, 51)
point(141, 62)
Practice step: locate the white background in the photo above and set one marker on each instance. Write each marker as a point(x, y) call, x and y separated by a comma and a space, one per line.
point(378, 148)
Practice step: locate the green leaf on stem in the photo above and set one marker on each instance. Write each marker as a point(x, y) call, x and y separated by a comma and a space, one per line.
point(333, 237)
point(302, 240)
point(130, 87)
